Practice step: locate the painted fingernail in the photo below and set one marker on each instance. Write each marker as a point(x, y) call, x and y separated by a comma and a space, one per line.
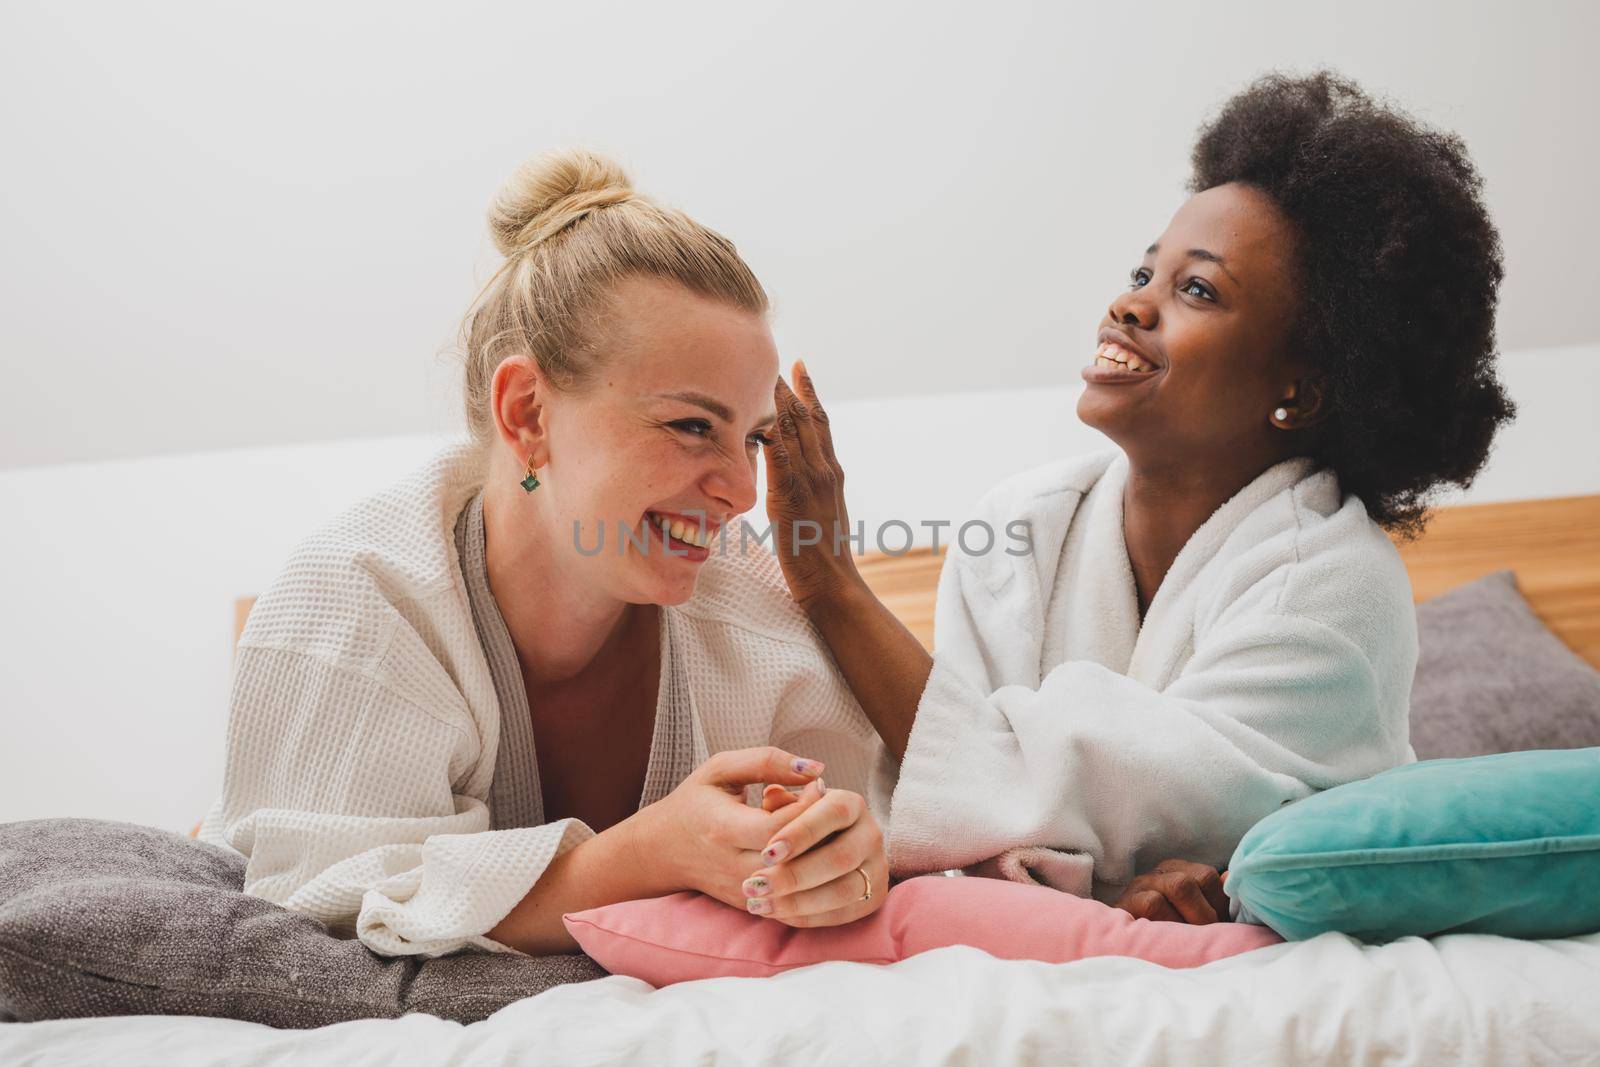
point(775, 852)
point(757, 887)
point(807, 766)
point(757, 906)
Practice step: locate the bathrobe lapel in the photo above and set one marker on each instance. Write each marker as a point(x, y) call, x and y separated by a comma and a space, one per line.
point(682, 748)
point(1014, 602)
point(1094, 606)
point(1166, 641)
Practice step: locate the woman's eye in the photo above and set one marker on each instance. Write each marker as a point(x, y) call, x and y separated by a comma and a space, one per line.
point(698, 427)
point(1195, 287)
point(1139, 277)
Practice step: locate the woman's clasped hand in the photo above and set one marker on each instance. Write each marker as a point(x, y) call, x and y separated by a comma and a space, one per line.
point(1177, 891)
point(805, 858)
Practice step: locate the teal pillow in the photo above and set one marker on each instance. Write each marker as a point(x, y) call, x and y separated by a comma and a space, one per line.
point(1505, 844)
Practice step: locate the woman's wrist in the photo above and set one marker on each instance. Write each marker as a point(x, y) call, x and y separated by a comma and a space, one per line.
point(838, 599)
point(883, 662)
point(606, 869)
point(648, 853)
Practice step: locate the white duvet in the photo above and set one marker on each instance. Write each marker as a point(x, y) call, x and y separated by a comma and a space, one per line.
point(1462, 999)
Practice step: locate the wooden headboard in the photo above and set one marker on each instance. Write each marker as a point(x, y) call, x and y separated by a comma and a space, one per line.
point(1553, 545)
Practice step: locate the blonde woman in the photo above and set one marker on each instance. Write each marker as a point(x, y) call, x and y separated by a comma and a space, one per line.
point(467, 705)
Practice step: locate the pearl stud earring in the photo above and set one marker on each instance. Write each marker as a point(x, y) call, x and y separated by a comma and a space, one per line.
point(1282, 414)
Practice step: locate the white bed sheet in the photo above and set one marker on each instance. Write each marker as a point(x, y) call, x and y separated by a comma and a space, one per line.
point(1461, 999)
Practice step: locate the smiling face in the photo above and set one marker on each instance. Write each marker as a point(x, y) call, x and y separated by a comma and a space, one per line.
point(1191, 361)
point(667, 431)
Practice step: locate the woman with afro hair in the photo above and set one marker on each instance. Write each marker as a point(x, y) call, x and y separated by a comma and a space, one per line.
point(1211, 620)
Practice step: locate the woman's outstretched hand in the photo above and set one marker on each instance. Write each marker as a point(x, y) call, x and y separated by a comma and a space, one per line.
point(883, 662)
point(805, 497)
point(1177, 891)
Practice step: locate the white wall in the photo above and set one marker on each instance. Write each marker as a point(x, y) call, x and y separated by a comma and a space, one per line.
point(232, 225)
point(120, 575)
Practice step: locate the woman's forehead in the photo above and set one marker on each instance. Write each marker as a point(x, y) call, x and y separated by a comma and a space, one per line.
point(677, 343)
point(1240, 229)
point(727, 365)
point(1230, 221)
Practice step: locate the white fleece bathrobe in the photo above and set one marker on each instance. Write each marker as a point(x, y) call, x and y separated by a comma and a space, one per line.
point(1274, 661)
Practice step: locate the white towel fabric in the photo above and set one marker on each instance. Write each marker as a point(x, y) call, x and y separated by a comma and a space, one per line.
point(1058, 740)
point(364, 722)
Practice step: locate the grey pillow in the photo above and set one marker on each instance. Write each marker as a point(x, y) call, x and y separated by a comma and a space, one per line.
point(1492, 678)
point(109, 918)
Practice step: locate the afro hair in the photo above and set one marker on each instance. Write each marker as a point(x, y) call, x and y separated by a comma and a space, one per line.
point(1400, 267)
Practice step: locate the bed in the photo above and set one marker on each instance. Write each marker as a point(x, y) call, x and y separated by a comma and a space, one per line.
point(1459, 999)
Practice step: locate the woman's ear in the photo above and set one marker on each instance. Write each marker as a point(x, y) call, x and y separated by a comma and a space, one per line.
point(518, 394)
point(1304, 403)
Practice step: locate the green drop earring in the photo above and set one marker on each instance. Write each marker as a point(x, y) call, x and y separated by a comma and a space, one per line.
point(531, 482)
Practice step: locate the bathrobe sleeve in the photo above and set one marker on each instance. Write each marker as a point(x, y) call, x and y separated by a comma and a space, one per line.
point(1285, 694)
point(346, 800)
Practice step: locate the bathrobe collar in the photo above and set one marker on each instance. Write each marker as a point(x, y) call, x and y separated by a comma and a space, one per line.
point(1096, 599)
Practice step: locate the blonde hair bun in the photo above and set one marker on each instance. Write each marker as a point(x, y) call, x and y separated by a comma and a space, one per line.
point(551, 192)
point(571, 227)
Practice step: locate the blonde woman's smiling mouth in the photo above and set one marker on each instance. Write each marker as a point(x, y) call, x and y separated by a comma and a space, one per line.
point(686, 537)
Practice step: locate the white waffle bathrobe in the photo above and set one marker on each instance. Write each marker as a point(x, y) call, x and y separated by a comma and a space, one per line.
point(365, 727)
point(1275, 660)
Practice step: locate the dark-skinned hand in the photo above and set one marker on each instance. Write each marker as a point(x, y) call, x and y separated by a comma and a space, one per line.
point(805, 496)
point(1177, 891)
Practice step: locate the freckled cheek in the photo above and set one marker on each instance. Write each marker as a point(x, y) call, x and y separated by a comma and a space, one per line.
point(646, 476)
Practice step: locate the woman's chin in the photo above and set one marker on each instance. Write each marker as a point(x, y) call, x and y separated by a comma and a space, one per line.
point(672, 598)
point(669, 590)
point(1108, 414)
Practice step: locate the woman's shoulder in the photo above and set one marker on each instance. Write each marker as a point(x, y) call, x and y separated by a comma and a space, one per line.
point(1046, 488)
point(1314, 552)
point(1348, 563)
point(1028, 514)
point(347, 584)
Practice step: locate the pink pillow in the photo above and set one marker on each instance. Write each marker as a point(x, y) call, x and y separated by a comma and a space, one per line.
point(686, 936)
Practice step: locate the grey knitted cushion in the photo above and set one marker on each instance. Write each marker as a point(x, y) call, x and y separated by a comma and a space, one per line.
point(109, 918)
point(1492, 678)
